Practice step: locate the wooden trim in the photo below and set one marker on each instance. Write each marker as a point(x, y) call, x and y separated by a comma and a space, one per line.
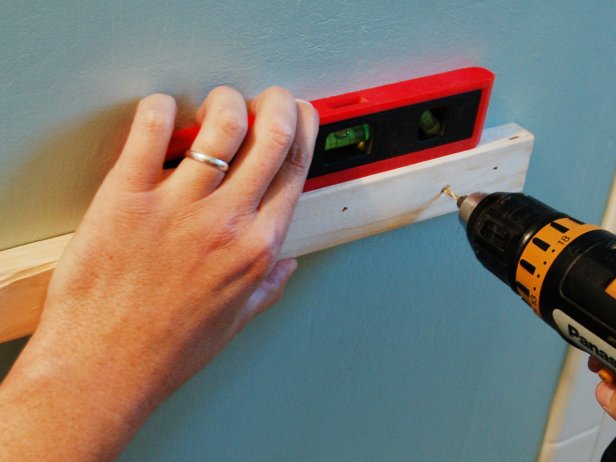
point(609, 219)
point(324, 217)
point(24, 276)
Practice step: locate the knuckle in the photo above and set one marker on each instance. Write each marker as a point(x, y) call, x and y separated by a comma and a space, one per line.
point(156, 113)
point(265, 252)
point(280, 135)
point(298, 158)
point(228, 231)
point(156, 121)
point(232, 125)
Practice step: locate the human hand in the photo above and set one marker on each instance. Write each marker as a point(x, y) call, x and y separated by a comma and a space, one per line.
point(604, 392)
point(167, 266)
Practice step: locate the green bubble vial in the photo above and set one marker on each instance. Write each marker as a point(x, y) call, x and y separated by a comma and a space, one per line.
point(357, 135)
point(429, 123)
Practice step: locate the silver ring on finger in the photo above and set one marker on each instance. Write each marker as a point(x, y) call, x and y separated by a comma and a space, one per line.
point(208, 160)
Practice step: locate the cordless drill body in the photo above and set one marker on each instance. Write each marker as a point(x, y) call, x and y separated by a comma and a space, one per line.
point(564, 269)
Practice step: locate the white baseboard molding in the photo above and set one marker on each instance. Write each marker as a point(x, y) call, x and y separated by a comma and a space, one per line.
point(324, 218)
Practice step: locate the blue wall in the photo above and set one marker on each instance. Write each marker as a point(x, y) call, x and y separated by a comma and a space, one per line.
point(397, 347)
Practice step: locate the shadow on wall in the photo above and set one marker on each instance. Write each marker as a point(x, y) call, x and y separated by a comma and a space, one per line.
point(57, 174)
point(8, 354)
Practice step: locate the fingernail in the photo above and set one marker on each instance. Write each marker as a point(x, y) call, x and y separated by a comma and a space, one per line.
point(291, 264)
point(314, 111)
point(303, 101)
point(604, 395)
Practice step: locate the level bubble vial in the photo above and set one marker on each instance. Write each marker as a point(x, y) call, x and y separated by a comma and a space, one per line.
point(357, 136)
point(430, 124)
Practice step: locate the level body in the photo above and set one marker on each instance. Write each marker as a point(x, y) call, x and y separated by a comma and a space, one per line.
point(382, 128)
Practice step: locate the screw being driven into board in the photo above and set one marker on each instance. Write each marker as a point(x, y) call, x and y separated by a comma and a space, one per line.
point(459, 199)
point(466, 204)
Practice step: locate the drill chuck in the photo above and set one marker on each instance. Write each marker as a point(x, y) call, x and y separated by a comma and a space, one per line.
point(467, 205)
point(564, 269)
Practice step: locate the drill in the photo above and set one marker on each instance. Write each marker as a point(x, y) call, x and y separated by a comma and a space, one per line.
point(563, 268)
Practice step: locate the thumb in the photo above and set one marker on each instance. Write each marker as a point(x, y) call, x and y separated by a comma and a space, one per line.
point(269, 291)
point(605, 395)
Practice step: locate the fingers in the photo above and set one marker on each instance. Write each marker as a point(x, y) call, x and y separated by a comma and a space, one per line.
point(140, 163)
point(265, 149)
point(604, 391)
point(269, 292)
point(594, 364)
point(605, 397)
point(224, 123)
point(281, 197)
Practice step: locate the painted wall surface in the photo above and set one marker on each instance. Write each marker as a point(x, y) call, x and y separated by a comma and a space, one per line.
point(394, 348)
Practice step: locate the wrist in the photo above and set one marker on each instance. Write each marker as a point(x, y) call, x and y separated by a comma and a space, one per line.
point(68, 398)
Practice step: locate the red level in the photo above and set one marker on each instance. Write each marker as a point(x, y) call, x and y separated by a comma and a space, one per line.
point(392, 115)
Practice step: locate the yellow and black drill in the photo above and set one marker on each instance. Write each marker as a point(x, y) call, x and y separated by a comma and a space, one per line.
point(563, 268)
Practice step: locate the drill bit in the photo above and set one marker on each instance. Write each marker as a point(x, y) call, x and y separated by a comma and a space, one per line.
point(447, 190)
point(459, 199)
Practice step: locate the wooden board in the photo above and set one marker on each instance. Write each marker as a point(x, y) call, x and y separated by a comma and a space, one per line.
point(324, 218)
point(378, 203)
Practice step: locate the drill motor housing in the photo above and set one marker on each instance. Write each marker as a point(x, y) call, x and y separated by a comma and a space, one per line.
point(564, 269)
